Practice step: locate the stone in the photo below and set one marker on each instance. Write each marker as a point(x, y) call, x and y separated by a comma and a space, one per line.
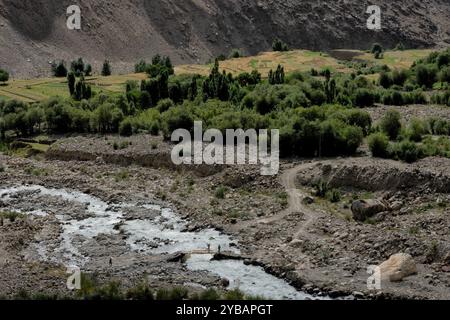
point(398, 267)
point(447, 259)
point(396, 205)
point(308, 200)
point(363, 209)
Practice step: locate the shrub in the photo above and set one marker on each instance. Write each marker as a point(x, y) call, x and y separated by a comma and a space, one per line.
point(4, 76)
point(177, 118)
point(391, 125)
point(209, 294)
point(59, 70)
point(426, 75)
point(165, 105)
point(364, 98)
point(360, 119)
point(279, 45)
point(333, 196)
point(378, 144)
point(321, 188)
point(405, 150)
point(385, 80)
point(126, 128)
point(178, 293)
point(220, 192)
point(235, 53)
point(444, 74)
point(106, 69)
point(416, 130)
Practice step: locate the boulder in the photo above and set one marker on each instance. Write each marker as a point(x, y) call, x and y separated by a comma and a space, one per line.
point(397, 267)
point(363, 209)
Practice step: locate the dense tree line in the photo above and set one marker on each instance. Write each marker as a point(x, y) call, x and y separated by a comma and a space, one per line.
point(317, 112)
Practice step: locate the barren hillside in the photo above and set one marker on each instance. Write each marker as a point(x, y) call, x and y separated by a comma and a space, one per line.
point(34, 32)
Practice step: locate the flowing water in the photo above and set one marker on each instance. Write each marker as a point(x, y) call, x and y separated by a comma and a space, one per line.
point(163, 233)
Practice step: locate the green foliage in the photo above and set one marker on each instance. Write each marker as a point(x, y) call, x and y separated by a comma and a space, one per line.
point(378, 144)
point(390, 124)
point(71, 83)
point(220, 192)
point(377, 50)
point(426, 75)
point(4, 76)
point(416, 130)
point(106, 69)
point(279, 45)
point(277, 77)
point(126, 128)
point(217, 85)
point(405, 150)
point(333, 196)
point(235, 53)
point(59, 70)
point(364, 97)
point(79, 68)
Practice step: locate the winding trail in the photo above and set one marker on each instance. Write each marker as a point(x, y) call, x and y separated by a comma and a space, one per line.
point(295, 202)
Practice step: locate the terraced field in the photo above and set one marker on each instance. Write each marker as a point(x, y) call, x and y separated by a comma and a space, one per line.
point(298, 60)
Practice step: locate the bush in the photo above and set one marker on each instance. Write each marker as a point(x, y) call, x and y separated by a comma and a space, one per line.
point(279, 45)
point(364, 98)
point(385, 80)
point(106, 69)
point(378, 145)
point(333, 196)
point(4, 76)
point(426, 76)
point(416, 130)
point(59, 70)
point(360, 119)
point(220, 192)
point(126, 128)
point(177, 118)
point(405, 150)
point(391, 125)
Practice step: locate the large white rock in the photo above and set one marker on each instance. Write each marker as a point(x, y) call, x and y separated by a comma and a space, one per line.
point(397, 267)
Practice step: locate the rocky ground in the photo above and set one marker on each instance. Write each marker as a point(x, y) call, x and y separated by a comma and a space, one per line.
point(278, 222)
point(410, 111)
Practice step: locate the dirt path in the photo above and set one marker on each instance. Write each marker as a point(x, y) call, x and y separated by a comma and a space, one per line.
point(295, 203)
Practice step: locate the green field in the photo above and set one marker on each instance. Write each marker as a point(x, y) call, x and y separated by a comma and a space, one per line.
point(297, 60)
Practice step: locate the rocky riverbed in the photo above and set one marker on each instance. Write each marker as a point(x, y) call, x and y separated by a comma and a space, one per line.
point(128, 222)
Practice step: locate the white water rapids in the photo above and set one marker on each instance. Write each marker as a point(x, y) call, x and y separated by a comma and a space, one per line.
point(164, 233)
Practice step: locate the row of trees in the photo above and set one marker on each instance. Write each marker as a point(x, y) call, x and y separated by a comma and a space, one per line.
point(78, 67)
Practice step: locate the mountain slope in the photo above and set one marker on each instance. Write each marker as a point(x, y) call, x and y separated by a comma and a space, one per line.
point(34, 32)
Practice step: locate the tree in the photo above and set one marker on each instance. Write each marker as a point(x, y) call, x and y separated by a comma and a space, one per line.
point(71, 83)
point(77, 66)
point(4, 76)
point(378, 144)
point(59, 70)
point(426, 75)
point(377, 50)
point(279, 45)
point(106, 70)
point(140, 67)
point(385, 80)
point(391, 125)
point(88, 70)
point(278, 76)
